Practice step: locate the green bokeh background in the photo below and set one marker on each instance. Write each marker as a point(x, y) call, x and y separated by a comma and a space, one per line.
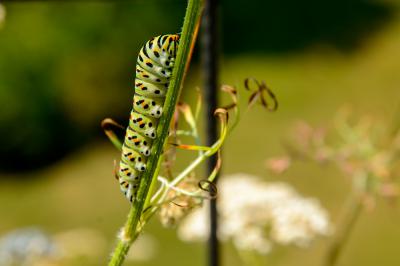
point(66, 66)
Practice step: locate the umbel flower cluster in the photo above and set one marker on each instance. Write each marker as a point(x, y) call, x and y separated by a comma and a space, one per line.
point(364, 149)
point(255, 215)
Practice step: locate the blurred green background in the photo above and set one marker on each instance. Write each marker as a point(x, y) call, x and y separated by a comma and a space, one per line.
point(64, 66)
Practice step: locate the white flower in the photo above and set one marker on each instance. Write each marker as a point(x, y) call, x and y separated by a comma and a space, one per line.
point(252, 239)
point(255, 214)
point(194, 227)
point(297, 221)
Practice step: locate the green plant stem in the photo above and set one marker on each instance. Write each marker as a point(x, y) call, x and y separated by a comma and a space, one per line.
point(350, 215)
point(153, 184)
point(130, 230)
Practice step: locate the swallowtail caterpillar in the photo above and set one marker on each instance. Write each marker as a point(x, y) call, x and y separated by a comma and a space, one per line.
point(153, 71)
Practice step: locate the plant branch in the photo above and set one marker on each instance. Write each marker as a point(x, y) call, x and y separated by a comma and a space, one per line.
point(350, 215)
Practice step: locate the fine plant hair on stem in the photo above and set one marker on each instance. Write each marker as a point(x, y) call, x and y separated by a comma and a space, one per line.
point(132, 227)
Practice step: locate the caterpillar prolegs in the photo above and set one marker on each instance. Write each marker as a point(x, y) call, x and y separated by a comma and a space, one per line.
point(153, 71)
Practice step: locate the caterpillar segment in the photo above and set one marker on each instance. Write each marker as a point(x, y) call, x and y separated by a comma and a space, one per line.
point(147, 106)
point(148, 89)
point(137, 142)
point(144, 125)
point(127, 173)
point(153, 71)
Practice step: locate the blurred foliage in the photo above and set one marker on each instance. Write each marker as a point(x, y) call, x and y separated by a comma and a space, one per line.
point(292, 25)
point(65, 66)
point(80, 190)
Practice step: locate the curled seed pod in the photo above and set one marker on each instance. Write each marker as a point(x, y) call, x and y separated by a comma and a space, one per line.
point(233, 94)
point(209, 187)
point(260, 92)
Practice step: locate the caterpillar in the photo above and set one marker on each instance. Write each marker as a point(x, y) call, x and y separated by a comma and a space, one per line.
point(153, 71)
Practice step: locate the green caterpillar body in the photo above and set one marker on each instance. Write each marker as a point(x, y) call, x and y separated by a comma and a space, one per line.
point(153, 71)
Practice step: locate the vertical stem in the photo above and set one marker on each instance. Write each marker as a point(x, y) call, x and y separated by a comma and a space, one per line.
point(130, 231)
point(350, 215)
point(210, 72)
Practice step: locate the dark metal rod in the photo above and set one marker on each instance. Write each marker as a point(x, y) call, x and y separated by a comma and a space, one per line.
point(209, 36)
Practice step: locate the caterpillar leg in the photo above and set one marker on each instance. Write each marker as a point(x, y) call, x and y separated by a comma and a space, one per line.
point(108, 124)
